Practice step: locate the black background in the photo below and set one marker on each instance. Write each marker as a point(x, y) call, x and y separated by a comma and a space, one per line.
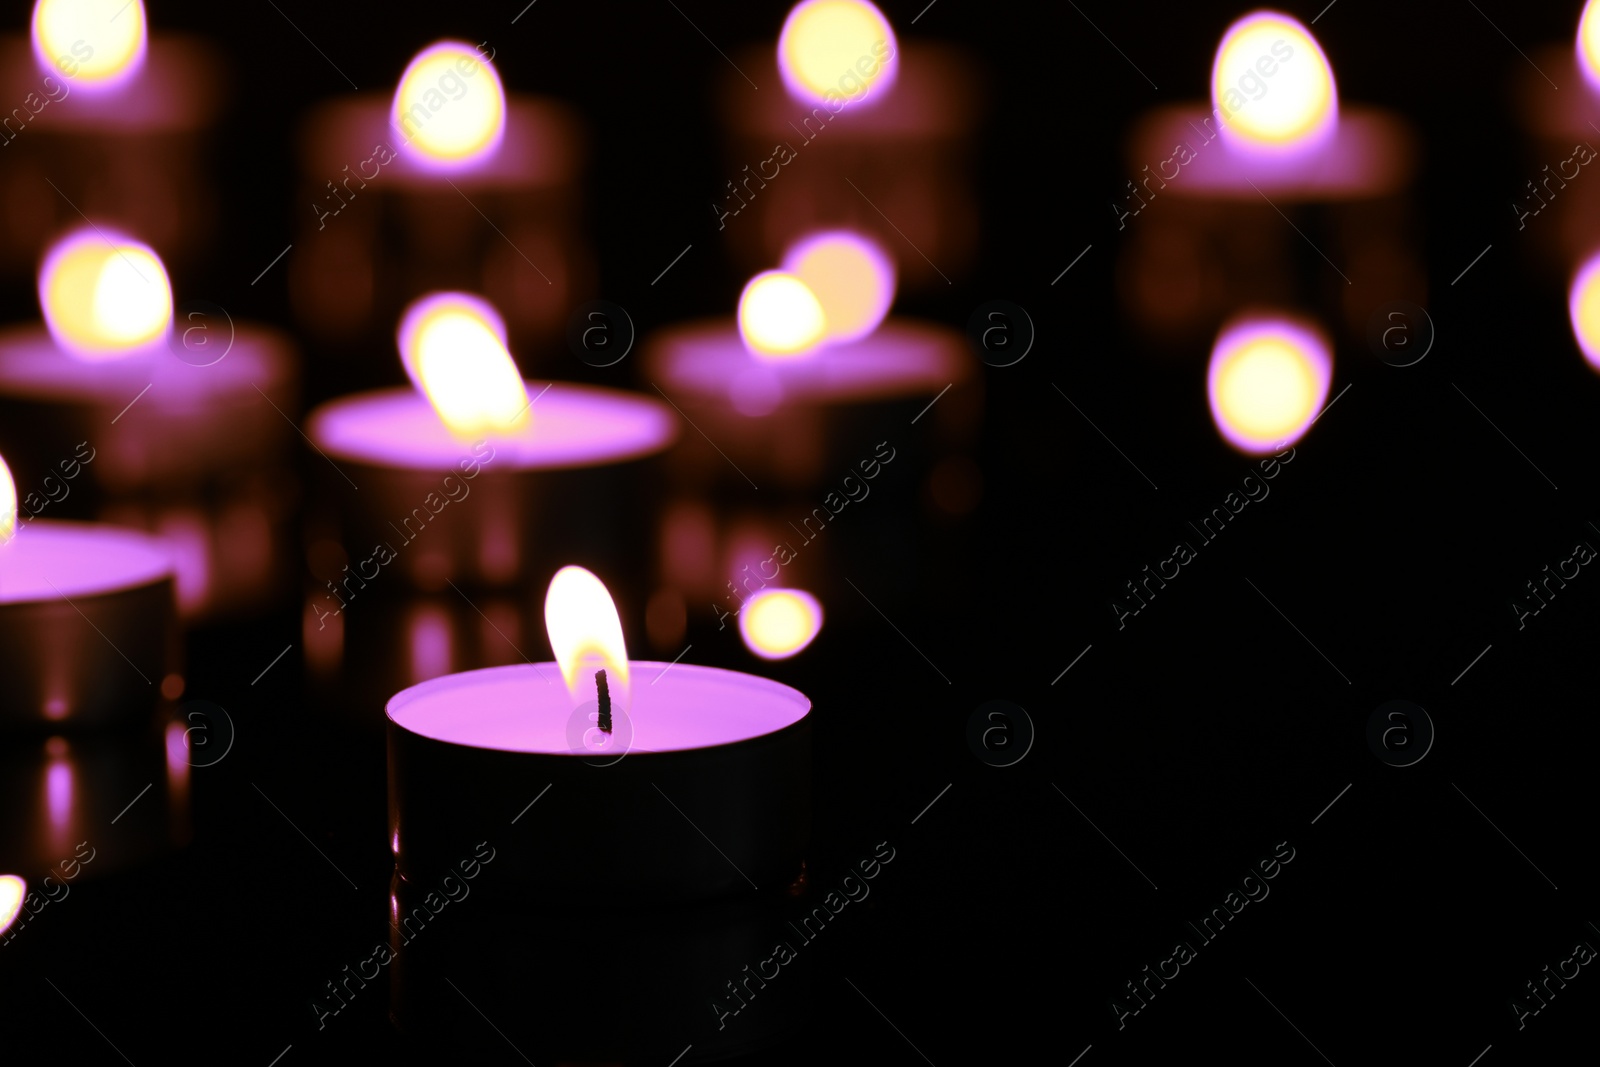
point(1196, 739)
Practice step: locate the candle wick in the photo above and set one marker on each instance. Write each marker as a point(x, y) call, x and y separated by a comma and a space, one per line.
point(605, 700)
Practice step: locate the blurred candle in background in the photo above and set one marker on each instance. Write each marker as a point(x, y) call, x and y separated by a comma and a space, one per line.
point(1555, 201)
point(116, 119)
point(807, 391)
point(1277, 193)
point(1267, 380)
point(176, 428)
point(871, 133)
point(433, 503)
point(446, 183)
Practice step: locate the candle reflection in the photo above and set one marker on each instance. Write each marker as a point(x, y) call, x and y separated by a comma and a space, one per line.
point(58, 791)
point(177, 744)
point(428, 635)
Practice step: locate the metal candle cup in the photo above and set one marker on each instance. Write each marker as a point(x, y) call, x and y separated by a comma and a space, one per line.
point(85, 619)
point(476, 511)
point(703, 791)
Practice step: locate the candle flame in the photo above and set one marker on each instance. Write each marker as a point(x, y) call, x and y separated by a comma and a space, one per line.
point(780, 317)
point(1267, 380)
point(1271, 86)
point(12, 891)
point(453, 346)
point(104, 295)
point(1589, 43)
point(779, 623)
point(1583, 304)
point(8, 503)
point(585, 634)
point(449, 116)
point(852, 278)
point(836, 49)
point(96, 43)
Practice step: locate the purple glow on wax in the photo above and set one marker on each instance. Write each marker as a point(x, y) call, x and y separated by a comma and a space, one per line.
point(1267, 381)
point(1368, 153)
point(49, 560)
point(573, 426)
point(34, 365)
point(516, 709)
point(899, 359)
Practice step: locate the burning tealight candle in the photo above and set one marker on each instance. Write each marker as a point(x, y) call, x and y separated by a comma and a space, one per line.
point(812, 333)
point(780, 623)
point(1275, 108)
point(449, 178)
point(693, 755)
point(466, 132)
point(1583, 305)
point(1275, 136)
point(898, 118)
point(1267, 381)
point(797, 391)
point(107, 38)
point(175, 421)
point(113, 113)
point(84, 616)
point(469, 426)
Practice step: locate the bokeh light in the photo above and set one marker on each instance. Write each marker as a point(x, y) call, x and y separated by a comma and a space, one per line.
point(1271, 85)
point(104, 295)
point(99, 44)
point(852, 277)
point(450, 106)
point(836, 50)
point(779, 623)
point(779, 316)
point(454, 349)
point(1267, 381)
